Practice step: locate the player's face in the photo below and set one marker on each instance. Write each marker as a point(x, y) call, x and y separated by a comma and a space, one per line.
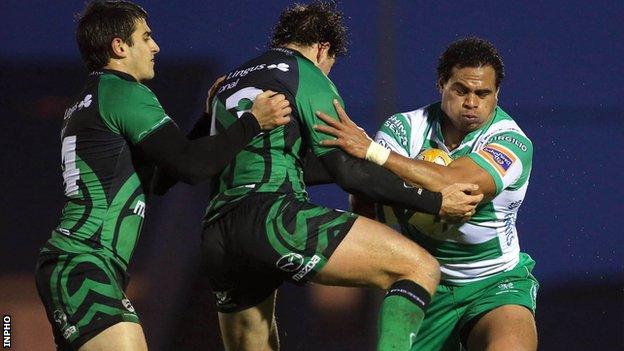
point(141, 54)
point(469, 97)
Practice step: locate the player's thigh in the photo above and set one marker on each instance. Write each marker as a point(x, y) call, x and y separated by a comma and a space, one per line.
point(124, 336)
point(509, 328)
point(250, 329)
point(372, 254)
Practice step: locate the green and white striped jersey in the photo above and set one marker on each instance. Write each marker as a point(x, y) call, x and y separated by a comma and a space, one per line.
point(488, 243)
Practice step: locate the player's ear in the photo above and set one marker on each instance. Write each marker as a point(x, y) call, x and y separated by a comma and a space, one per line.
point(440, 85)
point(118, 48)
point(322, 51)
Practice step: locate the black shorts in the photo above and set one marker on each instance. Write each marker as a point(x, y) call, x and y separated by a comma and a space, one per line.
point(83, 294)
point(264, 240)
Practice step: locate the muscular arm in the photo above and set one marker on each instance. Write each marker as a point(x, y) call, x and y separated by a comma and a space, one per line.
point(435, 177)
point(363, 178)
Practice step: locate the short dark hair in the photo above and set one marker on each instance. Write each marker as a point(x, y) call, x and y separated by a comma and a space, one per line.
point(318, 22)
point(470, 52)
point(100, 23)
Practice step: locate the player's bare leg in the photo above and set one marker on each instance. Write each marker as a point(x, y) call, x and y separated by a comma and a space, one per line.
point(374, 255)
point(123, 336)
point(252, 329)
point(509, 328)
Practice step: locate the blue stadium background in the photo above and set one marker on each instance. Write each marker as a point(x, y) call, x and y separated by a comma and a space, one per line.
point(564, 87)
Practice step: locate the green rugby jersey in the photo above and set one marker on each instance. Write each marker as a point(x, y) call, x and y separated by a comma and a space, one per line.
point(488, 243)
point(272, 161)
point(105, 181)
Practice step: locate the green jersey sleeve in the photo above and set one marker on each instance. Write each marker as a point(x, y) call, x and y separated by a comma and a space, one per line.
point(130, 109)
point(507, 157)
point(315, 92)
point(394, 134)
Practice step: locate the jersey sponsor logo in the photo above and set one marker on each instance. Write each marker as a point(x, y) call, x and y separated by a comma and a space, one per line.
point(511, 140)
point(514, 205)
point(60, 318)
point(284, 67)
point(506, 287)
point(498, 156)
point(510, 227)
point(284, 50)
point(126, 303)
point(290, 262)
point(398, 130)
point(69, 332)
point(410, 186)
point(63, 231)
point(227, 86)
point(222, 297)
point(139, 209)
point(85, 103)
point(307, 268)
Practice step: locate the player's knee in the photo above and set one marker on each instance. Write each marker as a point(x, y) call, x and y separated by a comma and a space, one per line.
point(418, 266)
point(425, 270)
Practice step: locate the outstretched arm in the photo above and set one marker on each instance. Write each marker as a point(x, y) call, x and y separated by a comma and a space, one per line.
point(367, 179)
point(196, 160)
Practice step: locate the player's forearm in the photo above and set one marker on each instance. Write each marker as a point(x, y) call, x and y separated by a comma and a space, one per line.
point(427, 175)
point(314, 171)
point(360, 177)
point(193, 161)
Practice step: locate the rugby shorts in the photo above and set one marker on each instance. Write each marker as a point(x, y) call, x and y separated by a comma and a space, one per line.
point(268, 238)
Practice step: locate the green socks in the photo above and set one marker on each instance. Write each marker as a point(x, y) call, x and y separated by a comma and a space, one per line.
point(401, 315)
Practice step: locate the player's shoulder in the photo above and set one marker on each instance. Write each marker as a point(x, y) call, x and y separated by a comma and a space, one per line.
point(271, 62)
point(505, 131)
point(503, 123)
point(123, 90)
point(422, 116)
point(275, 66)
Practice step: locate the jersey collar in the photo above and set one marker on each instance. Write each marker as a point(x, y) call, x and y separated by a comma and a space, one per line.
point(119, 74)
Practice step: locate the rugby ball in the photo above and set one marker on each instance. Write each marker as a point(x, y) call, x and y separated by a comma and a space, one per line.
point(436, 156)
point(388, 215)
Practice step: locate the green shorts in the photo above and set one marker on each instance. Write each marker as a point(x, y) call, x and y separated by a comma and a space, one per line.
point(455, 309)
point(83, 294)
point(266, 239)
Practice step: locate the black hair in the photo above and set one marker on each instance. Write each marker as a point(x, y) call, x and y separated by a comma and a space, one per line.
point(470, 52)
point(318, 22)
point(100, 23)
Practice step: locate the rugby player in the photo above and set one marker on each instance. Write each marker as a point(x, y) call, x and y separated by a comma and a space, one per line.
point(487, 296)
point(260, 228)
point(112, 136)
